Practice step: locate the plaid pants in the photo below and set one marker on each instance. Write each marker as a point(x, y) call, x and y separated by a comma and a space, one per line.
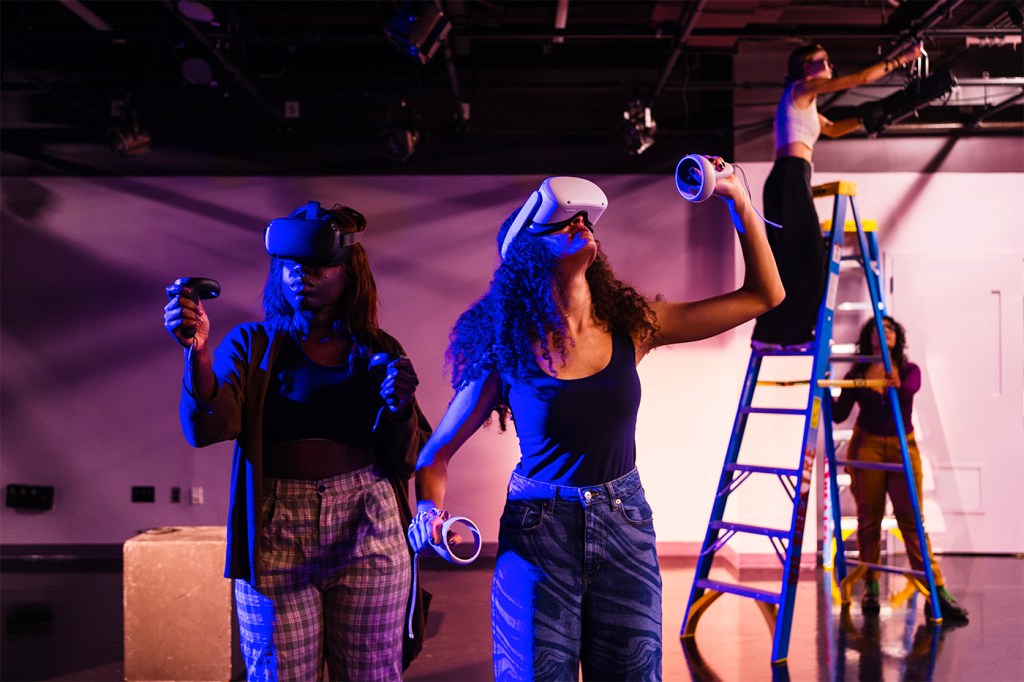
point(334, 580)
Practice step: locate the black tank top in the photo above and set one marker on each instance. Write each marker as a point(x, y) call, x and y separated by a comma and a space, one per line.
point(307, 400)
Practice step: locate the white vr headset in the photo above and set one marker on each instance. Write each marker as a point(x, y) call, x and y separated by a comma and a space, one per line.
point(555, 204)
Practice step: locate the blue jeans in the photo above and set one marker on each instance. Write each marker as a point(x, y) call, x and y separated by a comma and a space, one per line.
point(576, 583)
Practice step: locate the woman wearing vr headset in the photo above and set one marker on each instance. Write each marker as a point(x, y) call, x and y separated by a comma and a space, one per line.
point(324, 448)
point(554, 343)
point(798, 247)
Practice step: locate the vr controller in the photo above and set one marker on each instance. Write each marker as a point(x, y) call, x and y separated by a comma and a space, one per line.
point(306, 237)
point(696, 177)
point(200, 287)
point(446, 546)
point(378, 366)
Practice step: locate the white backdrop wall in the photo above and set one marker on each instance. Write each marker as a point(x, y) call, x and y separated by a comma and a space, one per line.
point(90, 379)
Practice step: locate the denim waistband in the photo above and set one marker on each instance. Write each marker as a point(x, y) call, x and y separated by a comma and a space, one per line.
point(522, 488)
point(292, 488)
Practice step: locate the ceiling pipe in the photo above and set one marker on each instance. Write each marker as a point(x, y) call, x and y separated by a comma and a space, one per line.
point(683, 32)
point(227, 65)
point(995, 109)
point(461, 107)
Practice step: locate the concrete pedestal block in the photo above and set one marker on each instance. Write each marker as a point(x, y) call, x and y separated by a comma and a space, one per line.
point(179, 615)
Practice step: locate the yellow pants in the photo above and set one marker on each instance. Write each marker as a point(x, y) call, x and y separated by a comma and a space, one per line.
point(869, 488)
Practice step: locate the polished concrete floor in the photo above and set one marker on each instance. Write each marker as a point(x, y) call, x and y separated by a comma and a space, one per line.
point(64, 621)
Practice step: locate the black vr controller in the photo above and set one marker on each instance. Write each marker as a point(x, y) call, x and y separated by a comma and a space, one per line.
point(199, 287)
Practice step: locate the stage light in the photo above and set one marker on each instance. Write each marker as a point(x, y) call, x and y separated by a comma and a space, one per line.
point(197, 71)
point(402, 134)
point(418, 30)
point(876, 116)
point(636, 134)
point(125, 138)
point(400, 143)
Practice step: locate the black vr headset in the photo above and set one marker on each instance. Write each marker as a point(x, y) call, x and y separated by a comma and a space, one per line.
point(307, 237)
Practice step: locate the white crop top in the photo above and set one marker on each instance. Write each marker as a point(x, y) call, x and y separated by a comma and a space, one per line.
point(796, 125)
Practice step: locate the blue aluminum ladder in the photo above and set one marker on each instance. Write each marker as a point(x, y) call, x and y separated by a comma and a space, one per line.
point(777, 607)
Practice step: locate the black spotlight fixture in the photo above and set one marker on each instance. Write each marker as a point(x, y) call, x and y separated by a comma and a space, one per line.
point(636, 134)
point(125, 138)
point(876, 116)
point(418, 29)
point(402, 134)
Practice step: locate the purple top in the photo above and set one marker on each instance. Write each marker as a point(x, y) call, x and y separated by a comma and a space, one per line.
point(875, 414)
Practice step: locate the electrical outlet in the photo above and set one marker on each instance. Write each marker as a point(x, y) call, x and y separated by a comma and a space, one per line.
point(21, 496)
point(196, 494)
point(143, 493)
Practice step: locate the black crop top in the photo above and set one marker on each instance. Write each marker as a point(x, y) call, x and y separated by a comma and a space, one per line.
point(307, 400)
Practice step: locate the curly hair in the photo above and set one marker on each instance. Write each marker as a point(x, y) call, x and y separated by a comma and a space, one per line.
point(898, 354)
point(358, 314)
point(521, 313)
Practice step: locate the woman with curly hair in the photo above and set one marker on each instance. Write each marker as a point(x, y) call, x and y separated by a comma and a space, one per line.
point(876, 439)
point(554, 344)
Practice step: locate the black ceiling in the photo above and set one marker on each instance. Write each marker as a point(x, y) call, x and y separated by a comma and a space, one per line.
point(302, 87)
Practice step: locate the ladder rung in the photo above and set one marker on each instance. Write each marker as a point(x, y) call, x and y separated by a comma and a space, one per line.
point(881, 466)
point(853, 357)
point(772, 410)
point(758, 469)
point(762, 595)
point(853, 383)
point(754, 530)
point(886, 569)
point(855, 306)
point(806, 350)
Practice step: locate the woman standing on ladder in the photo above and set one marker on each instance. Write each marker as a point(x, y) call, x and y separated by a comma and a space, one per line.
point(876, 439)
point(798, 247)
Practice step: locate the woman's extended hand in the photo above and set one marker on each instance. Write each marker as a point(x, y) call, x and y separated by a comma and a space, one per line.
point(182, 315)
point(399, 384)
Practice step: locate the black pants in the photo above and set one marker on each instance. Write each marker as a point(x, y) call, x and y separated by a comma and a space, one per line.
point(799, 253)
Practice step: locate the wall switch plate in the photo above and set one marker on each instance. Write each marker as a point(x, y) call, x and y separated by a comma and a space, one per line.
point(143, 493)
point(23, 496)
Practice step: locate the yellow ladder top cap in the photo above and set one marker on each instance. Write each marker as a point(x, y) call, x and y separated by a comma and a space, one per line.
point(843, 187)
point(869, 225)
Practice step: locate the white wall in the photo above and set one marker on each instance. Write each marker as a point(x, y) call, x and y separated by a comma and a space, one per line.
point(90, 379)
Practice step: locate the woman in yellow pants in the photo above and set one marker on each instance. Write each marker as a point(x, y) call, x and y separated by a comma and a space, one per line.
point(876, 439)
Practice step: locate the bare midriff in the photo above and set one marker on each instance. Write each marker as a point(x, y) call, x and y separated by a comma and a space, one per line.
point(797, 149)
point(312, 459)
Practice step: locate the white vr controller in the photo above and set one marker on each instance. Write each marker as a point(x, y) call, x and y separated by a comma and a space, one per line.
point(696, 177)
point(444, 548)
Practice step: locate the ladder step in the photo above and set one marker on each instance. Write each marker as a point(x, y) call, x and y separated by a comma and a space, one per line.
point(758, 469)
point(762, 595)
point(887, 569)
point(772, 410)
point(880, 466)
point(854, 306)
point(853, 357)
point(763, 349)
point(754, 530)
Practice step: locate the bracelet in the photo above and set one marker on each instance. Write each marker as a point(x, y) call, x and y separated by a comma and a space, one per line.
point(429, 515)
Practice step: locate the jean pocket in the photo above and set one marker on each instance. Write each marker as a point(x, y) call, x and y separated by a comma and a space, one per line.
point(523, 515)
point(635, 509)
